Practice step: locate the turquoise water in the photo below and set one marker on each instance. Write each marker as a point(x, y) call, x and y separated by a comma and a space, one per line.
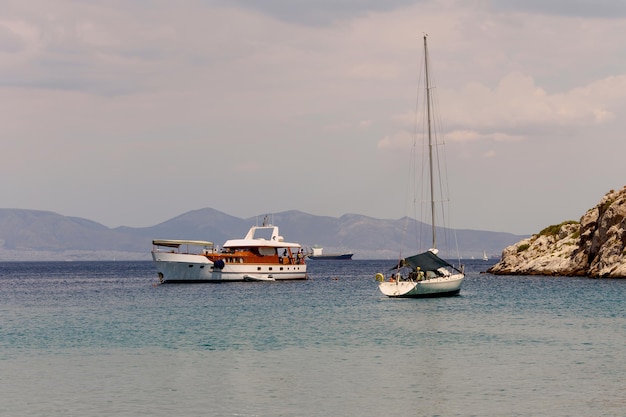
point(102, 339)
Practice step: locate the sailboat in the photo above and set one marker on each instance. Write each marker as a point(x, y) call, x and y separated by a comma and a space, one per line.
point(485, 257)
point(424, 274)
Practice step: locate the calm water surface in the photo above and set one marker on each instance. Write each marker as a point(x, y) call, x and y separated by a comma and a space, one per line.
point(102, 339)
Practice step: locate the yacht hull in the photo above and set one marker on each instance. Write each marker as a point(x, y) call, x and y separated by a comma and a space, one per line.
point(188, 268)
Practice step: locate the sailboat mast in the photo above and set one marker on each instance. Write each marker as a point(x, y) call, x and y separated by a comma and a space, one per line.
point(430, 146)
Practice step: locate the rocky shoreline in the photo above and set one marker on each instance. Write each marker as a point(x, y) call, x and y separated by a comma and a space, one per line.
point(594, 246)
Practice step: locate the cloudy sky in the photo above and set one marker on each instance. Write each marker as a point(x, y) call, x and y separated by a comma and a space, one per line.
point(131, 112)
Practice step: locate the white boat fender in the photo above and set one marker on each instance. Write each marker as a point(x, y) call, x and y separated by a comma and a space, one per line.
point(380, 277)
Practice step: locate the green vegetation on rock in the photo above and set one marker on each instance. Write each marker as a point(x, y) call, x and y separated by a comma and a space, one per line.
point(555, 228)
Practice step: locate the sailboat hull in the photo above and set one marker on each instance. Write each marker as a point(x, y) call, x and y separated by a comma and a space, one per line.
point(436, 287)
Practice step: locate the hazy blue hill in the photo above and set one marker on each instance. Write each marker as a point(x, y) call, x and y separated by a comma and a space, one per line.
point(45, 230)
point(202, 224)
point(296, 226)
point(53, 236)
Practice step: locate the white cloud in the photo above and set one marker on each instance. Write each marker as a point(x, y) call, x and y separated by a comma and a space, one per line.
point(480, 113)
point(471, 136)
point(497, 114)
point(399, 141)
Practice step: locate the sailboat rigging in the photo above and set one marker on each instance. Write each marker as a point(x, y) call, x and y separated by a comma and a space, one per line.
point(424, 274)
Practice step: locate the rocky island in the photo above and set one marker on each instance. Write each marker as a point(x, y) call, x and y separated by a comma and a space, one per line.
point(592, 247)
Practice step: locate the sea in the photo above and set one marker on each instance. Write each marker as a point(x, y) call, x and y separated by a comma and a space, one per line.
point(105, 339)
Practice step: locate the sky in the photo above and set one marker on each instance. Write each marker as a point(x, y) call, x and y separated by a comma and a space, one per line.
point(132, 112)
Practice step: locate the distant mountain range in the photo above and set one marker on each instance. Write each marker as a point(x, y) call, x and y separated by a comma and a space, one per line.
point(34, 235)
